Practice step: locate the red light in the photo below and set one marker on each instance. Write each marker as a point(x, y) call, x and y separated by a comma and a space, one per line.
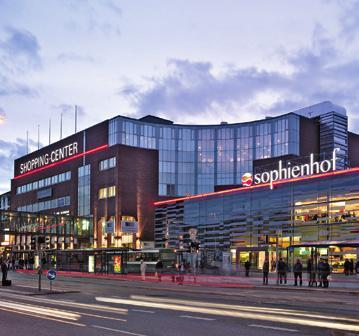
point(51, 165)
point(297, 179)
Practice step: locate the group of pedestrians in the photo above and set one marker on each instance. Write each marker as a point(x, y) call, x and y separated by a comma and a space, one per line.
point(349, 267)
point(317, 276)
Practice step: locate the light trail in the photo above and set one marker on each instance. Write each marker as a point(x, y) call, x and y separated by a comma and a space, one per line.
point(231, 313)
point(278, 311)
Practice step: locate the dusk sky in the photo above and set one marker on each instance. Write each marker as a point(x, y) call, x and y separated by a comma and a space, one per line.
point(189, 61)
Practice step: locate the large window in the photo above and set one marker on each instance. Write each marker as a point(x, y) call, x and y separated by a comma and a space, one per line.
point(107, 192)
point(84, 190)
point(55, 179)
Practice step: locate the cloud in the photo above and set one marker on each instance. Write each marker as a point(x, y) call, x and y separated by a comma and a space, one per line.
point(21, 49)
point(9, 151)
point(13, 88)
point(69, 109)
point(349, 19)
point(194, 89)
point(72, 57)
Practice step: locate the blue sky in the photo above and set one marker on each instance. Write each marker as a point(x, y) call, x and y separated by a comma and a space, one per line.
point(190, 61)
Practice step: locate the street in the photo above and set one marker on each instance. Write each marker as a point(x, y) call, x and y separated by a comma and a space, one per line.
point(82, 306)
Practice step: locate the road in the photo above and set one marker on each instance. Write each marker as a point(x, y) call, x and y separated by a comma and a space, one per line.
point(110, 307)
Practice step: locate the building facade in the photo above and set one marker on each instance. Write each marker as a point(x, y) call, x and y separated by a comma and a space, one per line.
point(5, 201)
point(253, 221)
point(193, 159)
point(83, 176)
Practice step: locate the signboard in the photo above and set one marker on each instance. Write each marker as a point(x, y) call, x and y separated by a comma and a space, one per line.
point(129, 227)
point(110, 227)
point(117, 264)
point(313, 167)
point(50, 157)
point(51, 274)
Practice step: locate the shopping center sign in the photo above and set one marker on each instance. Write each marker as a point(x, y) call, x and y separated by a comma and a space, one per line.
point(51, 157)
point(289, 172)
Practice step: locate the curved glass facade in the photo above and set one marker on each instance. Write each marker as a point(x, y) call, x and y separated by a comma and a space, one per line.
point(193, 159)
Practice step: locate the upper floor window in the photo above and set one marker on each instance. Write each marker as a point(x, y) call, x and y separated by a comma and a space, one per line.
point(107, 192)
point(107, 164)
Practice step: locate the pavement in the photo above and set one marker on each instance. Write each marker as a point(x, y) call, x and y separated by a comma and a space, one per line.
point(104, 306)
point(339, 282)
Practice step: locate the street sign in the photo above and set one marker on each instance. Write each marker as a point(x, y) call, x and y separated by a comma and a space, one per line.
point(51, 274)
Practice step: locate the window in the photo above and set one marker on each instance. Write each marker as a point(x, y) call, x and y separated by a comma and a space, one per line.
point(55, 179)
point(107, 192)
point(107, 164)
point(102, 193)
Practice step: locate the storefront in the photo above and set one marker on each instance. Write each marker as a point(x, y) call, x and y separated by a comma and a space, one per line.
point(256, 221)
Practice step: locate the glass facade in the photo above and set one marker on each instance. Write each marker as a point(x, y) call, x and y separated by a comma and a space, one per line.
point(84, 191)
point(306, 211)
point(193, 159)
point(320, 209)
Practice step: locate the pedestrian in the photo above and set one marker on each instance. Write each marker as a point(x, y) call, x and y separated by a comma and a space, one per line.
point(357, 267)
point(159, 269)
point(3, 270)
point(320, 269)
point(311, 272)
point(347, 267)
point(325, 273)
point(282, 271)
point(273, 265)
point(298, 270)
point(143, 270)
point(351, 266)
point(265, 271)
point(247, 266)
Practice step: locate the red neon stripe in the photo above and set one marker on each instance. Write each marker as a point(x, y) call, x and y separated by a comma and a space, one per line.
point(275, 183)
point(90, 151)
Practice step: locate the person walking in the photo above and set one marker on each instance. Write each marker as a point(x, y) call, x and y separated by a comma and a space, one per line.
point(298, 270)
point(282, 271)
point(247, 266)
point(347, 267)
point(159, 269)
point(325, 273)
point(265, 271)
point(357, 267)
point(143, 270)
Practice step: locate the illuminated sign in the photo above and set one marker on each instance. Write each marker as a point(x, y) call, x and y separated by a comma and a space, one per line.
point(49, 158)
point(311, 168)
point(247, 179)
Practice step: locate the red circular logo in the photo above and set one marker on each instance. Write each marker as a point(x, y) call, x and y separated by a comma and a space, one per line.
point(247, 180)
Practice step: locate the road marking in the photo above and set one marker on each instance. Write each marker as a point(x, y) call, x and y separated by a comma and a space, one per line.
point(198, 318)
point(118, 330)
point(143, 311)
point(274, 328)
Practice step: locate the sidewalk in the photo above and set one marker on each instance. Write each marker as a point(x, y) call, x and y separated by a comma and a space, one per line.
point(339, 283)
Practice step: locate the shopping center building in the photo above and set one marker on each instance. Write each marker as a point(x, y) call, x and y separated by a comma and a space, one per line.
point(115, 171)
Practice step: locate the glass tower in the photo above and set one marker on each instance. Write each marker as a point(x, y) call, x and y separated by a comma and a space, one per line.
point(195, 158)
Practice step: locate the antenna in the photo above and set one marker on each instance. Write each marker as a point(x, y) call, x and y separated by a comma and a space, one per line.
point(75, 118)
point(38, 137)
point(61, 126)
point(49, 131)
point(27, 142)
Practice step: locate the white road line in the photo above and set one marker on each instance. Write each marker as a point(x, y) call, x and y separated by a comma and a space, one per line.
point(274, 328)
point(143, 311)
point(198, 318)
point(118, 330)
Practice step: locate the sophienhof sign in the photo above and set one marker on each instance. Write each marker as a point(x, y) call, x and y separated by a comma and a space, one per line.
point(313, 167)
point(48, 158)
